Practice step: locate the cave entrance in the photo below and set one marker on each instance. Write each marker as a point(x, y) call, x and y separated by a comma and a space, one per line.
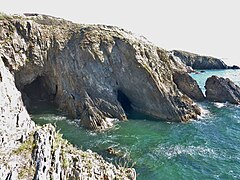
point(36, 91)
point(124, 101)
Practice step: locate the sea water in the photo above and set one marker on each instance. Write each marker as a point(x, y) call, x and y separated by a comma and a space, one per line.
point(207, 148)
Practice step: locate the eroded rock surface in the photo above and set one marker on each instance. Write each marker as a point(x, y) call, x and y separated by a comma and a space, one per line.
point(57, 159)
point(45, 155)
point(220, 89)
point(188, 85)
point(82, 68)
point(30, 152)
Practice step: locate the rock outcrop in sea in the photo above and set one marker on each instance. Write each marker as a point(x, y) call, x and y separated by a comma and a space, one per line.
point(220, 89)
point(199, 62)
point(92, 72)
point(188, 85)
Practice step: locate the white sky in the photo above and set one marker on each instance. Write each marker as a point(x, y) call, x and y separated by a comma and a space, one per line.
point(207, 27)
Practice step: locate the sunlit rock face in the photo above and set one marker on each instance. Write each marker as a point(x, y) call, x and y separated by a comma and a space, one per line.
point(82, 69)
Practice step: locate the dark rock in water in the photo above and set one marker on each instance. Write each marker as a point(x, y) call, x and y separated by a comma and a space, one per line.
point(85, 68)
point(202, 71)
point(188, 85)
point(233, 67)
point(219, 89)
point(199, 62)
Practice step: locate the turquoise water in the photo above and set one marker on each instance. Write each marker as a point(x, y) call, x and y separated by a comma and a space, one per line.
point(208, 148)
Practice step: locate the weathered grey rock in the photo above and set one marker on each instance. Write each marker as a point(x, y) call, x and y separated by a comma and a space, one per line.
point(188, 85)
point(82, 68)
point(45, 155)
point(56, 159)
point(15, 122)
point(219, 89)
point(199, 62)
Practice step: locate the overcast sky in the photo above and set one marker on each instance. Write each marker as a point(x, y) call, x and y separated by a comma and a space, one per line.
point(207, 27)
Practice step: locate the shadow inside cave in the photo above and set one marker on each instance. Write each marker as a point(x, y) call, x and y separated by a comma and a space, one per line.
point(36, 92)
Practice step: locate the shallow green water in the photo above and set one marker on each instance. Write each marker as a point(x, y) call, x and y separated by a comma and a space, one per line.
point(205, 149)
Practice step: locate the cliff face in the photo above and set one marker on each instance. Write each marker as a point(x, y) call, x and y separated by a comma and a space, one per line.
point(92, 72)
point(30, 152)
point(199, 62)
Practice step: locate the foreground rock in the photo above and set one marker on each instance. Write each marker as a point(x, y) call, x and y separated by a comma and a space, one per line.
point(15, 123)
point(219, 89)
point(93, 72)
point(188, 85)
point(199, 62)
point(45, 155)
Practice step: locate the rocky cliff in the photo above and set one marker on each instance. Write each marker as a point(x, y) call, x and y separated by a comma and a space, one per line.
point(30, 152)
point(199, 62)
point(93, 72)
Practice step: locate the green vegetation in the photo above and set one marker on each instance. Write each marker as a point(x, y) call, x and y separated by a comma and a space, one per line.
point(26, 147)
point(26, 172)
point(25, 150)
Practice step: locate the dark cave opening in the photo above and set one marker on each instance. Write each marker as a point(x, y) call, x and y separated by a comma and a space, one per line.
point(124, 101)
point(37, 91)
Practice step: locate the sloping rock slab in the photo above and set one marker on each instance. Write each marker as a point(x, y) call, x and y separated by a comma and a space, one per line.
point(188, 85)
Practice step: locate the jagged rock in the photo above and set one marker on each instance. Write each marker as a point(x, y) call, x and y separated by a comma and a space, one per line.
point(45, 155)
point(199, 62)
point(219, 89)
point(83, 68)
point(14, 119)
point(56, 159)
point(188, 85)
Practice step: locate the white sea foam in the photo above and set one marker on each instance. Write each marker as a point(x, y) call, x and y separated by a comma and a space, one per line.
point(173, 151)
point(204, 113)
point(219, 105)
point(53, 117)
point(73, 122)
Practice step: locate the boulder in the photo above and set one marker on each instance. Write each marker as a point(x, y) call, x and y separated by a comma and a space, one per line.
point(220, 89)
point(187, 85)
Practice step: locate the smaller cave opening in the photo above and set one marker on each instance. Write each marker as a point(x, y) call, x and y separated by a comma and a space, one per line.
point(36, 91)
point(124, 101)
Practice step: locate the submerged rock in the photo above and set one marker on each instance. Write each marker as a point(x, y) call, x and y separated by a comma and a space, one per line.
point(219, 89)
point(84, 68)
point(199, 62)
point(188, 85)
